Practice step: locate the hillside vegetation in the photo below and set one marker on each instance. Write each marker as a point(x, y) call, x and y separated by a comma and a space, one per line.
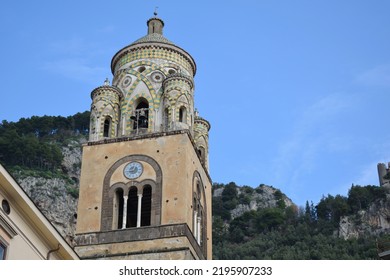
point(36, 142)
point(291, 232)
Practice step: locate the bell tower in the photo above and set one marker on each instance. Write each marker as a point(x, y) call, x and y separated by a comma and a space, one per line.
point(145, 190)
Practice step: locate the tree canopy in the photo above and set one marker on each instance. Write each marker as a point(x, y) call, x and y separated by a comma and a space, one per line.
point(289, 232)
point(36, 142)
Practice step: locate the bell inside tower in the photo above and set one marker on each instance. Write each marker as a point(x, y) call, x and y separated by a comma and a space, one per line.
point(141, 116)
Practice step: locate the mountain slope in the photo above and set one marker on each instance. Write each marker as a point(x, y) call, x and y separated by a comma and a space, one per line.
point(278, 229)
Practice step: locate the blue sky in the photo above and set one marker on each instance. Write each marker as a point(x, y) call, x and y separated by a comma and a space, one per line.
point(297, 92)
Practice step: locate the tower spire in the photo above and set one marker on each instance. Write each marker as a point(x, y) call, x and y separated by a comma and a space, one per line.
point(155, 25)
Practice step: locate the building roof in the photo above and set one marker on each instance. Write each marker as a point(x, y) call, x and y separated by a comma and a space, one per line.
point(34, 216)
point(153, 38)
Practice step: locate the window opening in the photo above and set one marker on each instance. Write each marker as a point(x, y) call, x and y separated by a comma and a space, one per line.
point(5, 206)
point(200, 226)
point(119, 201)
point(107, 126)
point(132, 206)
point(146, 208)
point(198, 215)
point(2, 251)
point(202, 155)
point(141, 116)
point(182, 114)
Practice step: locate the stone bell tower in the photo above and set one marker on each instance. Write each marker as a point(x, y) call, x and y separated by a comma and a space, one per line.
point(145, 190)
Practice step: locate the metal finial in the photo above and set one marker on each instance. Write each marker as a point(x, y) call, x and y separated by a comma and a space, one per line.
point(106, 82)
point(155, 11)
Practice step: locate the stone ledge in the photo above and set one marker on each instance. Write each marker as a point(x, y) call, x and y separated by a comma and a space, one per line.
point(138, 137)
point(140, 255)
point(139, 234)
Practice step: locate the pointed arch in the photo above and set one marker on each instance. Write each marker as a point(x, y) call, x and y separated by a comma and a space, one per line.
point(138, 102)
point(128, 108)
point(140, 117)
point(183, 114)
point(182, 105)
point(107, 127)
point(202, 154)
point(182, 99)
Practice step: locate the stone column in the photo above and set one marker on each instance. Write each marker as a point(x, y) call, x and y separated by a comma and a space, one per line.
point(139, 210)
point(194, 230)
point(199, 227)
point(125, 197)
point(123, 125)
point(97, 129)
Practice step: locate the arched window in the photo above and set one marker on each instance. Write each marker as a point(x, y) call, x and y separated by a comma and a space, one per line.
point(199, 208)
point(107, 127)
point(198, 215)
point(146, 206)
point(198, 189)
point(202, 154)
point(132, 208)
point(142, 198)
point(119, 207)
point(141, 117)
point(183, 114)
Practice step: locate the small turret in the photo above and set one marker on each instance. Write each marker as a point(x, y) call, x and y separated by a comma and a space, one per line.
point(201, 138)
point(105, 111)
point(155, 25)
point(384, 174)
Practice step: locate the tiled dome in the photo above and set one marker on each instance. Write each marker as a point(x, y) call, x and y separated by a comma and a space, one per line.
point(153, 38)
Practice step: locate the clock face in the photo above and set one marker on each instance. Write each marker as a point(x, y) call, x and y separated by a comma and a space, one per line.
point(133, 170)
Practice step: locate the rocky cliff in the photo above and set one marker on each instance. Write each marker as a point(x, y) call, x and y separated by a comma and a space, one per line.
point(56, 194)
point(373, 221)
point(54, 200)
point(252, 199)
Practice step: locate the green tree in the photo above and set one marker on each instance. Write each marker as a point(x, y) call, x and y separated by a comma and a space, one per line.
point(358, 198)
